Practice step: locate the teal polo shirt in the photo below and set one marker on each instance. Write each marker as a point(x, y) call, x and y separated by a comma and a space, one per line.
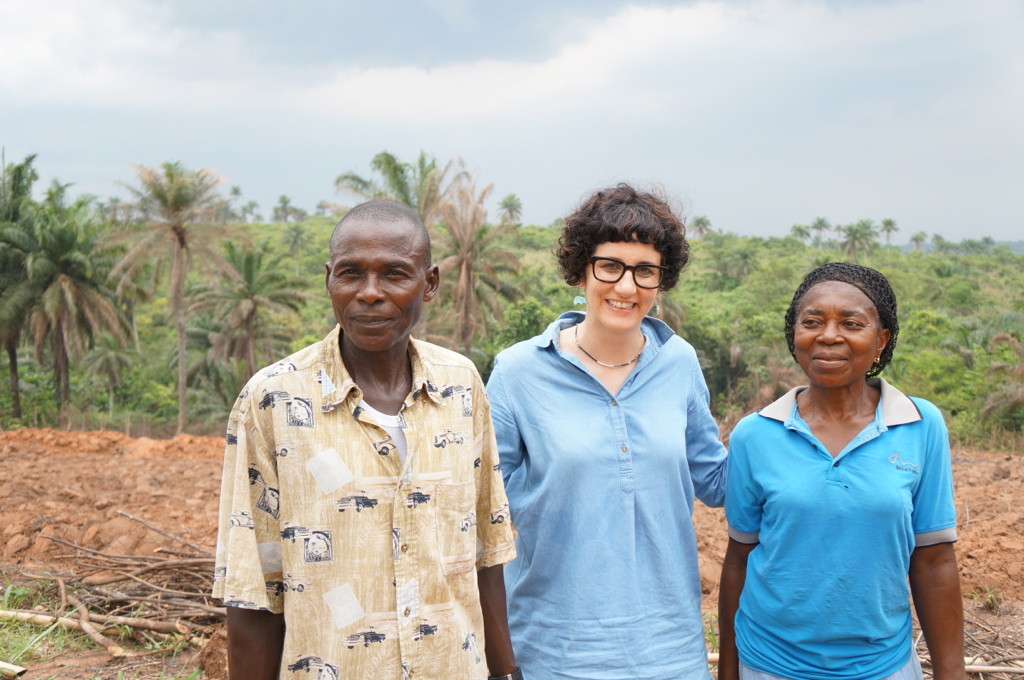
point(826, 595)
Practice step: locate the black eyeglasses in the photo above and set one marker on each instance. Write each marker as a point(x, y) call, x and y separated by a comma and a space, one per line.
point(610, 270)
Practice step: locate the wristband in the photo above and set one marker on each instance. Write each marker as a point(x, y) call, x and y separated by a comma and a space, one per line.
point(517, 674)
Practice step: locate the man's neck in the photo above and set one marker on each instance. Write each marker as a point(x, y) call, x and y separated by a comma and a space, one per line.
point(385, 378)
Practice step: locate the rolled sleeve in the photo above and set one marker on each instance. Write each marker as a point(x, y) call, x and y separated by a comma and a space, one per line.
point(707, 455)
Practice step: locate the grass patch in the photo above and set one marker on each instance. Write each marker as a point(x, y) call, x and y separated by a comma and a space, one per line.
point(711, 632)
point(987, 598)
point(21, 642)
point(24, 643)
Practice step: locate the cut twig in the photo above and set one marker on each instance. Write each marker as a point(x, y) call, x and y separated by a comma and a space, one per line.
point(165, 564)
point(179, 539)
point(9, 670)
point(158, 626)
point(1015, 670)
point(90, 630)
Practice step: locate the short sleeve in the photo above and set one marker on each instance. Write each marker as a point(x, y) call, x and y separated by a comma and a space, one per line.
point(249, 534)
point(494, 522)
point(744, 497)
point(934, 513)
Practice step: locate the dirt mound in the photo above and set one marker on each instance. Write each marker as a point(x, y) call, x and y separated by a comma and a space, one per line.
point(71, 485)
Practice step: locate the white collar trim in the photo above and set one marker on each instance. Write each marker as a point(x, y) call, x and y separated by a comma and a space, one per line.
point(897, 408)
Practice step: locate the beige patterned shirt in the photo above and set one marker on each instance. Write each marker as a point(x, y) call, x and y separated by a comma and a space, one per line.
point(372, 562)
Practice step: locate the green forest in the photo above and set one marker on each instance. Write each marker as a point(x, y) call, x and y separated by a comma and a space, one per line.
point(148, 315)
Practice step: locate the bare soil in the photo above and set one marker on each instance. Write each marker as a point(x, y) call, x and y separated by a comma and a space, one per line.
point(71, 484)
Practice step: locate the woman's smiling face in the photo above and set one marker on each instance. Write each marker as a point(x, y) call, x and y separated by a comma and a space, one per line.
point(622, 305)
point(838, 334)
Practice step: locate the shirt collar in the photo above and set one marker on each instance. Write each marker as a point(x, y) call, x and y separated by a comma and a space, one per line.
point(336, 384)
point(896, 408)
point(658, 332)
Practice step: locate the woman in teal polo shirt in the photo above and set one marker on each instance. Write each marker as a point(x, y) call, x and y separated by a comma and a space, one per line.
point(840, 505)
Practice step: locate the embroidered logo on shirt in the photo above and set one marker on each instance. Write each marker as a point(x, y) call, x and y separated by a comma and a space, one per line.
point(904, 465)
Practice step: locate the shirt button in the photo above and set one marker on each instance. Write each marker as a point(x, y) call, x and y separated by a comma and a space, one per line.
point(624, 448)
point(614, 403)
point(405, 547)
point(407, 612)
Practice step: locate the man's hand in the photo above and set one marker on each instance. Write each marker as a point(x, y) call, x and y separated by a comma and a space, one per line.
point(497, 644)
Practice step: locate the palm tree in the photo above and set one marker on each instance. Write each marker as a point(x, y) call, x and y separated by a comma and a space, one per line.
point(297, 239)
point(63, 290)
point(209, 372)
point(510, 209)
point(178, 205)
point(422, 186)
point(250, 290)
point(941, 245)
point(15, 197)
point(12, 315)
point(918, 240)
point(858, 237)
point(801, 232)
point(250, 212)
point(471, 248)
point(1007, 401)
point(699, 227)
point(283, 209)
point(888, 228)
point(819, 226)
point(109, 360)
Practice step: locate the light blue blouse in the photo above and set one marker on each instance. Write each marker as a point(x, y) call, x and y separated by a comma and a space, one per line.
point(601, 491)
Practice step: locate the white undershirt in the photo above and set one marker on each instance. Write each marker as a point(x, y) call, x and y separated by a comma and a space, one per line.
point(392, 425)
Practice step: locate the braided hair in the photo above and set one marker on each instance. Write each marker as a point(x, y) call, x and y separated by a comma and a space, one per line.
point(870, 282)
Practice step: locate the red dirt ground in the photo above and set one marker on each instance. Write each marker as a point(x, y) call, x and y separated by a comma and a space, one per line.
point(70, 485)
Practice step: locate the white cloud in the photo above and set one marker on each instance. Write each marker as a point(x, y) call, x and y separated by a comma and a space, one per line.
point(799, 107)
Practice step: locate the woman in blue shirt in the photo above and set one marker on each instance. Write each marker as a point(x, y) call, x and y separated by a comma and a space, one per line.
point(606, 438)
point(840, 506)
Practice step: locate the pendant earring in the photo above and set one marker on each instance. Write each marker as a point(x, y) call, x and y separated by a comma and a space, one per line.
point(655, 310)
point(579, 300)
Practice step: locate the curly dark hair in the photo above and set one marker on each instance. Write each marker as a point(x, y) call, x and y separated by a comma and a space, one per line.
point(870, 282)
point(617, 214)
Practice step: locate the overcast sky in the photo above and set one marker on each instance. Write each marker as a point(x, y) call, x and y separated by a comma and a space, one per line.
point(758, 114)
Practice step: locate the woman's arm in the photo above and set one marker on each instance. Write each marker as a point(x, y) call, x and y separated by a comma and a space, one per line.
point(511, 448)
point(734, 575)
point(255, 643)
point(935, 585)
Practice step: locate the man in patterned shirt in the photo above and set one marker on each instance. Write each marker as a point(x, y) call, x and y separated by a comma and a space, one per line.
point(363, 520)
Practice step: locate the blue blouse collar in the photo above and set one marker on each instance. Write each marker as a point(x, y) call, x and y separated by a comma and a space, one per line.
point(657, 331)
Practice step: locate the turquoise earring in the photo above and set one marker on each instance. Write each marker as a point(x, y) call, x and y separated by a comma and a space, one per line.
point(579, 299)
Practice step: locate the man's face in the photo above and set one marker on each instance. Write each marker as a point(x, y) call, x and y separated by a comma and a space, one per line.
point(378, 280)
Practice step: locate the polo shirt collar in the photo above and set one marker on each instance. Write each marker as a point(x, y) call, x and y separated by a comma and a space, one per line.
point(895, 407)
point(336, 384)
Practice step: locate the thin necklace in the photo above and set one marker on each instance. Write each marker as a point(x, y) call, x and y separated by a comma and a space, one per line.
point(576, 338)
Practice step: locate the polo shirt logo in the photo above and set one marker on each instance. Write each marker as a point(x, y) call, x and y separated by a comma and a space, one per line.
point(904, 465)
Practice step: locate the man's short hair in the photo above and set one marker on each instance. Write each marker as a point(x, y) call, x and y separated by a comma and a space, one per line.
point(387, 211)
